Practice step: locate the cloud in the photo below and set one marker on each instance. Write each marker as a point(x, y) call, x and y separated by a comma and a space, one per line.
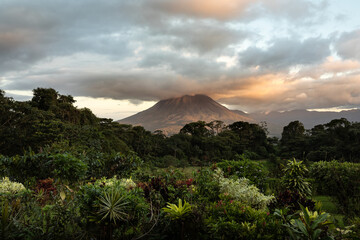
point(293, 10)
point(348, 45)
point(221, 10)
point(284, 53)
point(149, 50)
point(31, 31)
point(205, 37)
point(227, 10)
point(34, 31)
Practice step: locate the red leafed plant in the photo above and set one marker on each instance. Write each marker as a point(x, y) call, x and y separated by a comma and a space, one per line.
point(47, 188)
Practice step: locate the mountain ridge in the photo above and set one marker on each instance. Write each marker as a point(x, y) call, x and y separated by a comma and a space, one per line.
point(277, 120)
point(170, 115)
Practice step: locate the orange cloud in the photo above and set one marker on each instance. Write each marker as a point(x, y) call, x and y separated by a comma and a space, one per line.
point(222, 10)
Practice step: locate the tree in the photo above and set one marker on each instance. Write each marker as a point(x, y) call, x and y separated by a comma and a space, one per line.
point(196, 129)
point(293, 140)
point(251, 137)
point(44, 98)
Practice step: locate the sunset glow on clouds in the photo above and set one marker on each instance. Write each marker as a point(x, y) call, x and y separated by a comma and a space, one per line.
point(120, 57)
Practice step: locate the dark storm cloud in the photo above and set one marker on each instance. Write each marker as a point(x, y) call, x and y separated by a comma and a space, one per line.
point(34, 30)
point(284, 53)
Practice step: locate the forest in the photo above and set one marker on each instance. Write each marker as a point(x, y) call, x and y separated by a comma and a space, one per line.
point(67, 174)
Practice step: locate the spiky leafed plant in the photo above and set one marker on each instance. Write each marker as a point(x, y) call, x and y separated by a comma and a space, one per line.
point(113, 206)
point(178, 212)
point(293, 178)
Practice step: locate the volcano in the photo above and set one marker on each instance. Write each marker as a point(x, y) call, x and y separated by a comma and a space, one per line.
point(170, 115)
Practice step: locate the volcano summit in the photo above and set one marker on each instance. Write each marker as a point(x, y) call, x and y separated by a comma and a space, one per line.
point(170, 115)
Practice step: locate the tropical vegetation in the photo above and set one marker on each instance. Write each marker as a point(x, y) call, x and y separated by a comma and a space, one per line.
point(67, 174)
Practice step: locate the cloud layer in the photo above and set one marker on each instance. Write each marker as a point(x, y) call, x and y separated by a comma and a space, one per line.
point(255, 55)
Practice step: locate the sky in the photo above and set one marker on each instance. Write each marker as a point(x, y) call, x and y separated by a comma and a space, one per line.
point(118, 57)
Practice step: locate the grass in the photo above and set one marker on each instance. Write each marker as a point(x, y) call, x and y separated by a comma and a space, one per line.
point(327, 202)
point(187, 171)
point(329, 206)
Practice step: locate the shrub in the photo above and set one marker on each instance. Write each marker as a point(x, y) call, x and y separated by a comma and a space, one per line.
point(109, 209)
point(178, 212)
point(234, 220)
point(243, 167)
point(291, 200)
point(293, 179)
point(67, 167)
point(308, 225)
point(121, 164)
point(169, 160)
point(45, 189)
point(167, 187)
point(21, 168)
point(8, 187)
point(341, 181)
point(206, 188)
point(241, 190)
point(63, 166)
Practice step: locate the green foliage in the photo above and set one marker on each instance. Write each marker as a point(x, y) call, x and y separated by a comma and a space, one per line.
point(121, 164)
point(169, 160)
point(338, 139)
point(234, 220)
point(206, 188)
point(243, 167)
point(62, 166)
point(178, 212)
point(8, 187)
point(293, 179)
point(251, 137)
point(309, 225)
point(109, 208)
point(242, 191)
point(196, 129)
point(293, 140)
point(341, 181)
point(67, 167)
point(112, 206)
point(48, 137)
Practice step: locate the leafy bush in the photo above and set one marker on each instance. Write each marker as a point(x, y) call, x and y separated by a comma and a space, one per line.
point(306, 224)
point(113, 206)
point(45, 189)
point(243, 167)
point(341, 181)
point(178, 212)
point(206, 188)
point(169, 160)
point(293, 179)
point(109, 209)
point(241, 190)
point(63, 166)
point(292, 201)
point(8, 187)
point(234, 220)
point(121, 164)
point(167, 187)
point(67, 167)
point(21, 168)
